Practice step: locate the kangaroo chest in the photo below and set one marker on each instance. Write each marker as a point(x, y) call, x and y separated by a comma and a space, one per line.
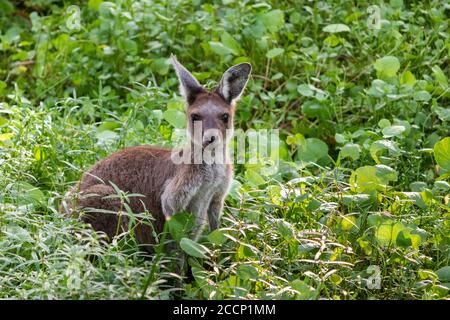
point(215, 183)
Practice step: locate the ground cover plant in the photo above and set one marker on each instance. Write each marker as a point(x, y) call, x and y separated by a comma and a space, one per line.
point(358, 209)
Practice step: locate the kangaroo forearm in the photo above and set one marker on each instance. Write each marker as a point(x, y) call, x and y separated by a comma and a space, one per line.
point(176, 197)
point(214, 213)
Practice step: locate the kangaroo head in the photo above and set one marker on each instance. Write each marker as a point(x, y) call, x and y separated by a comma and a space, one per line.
point(210, 114)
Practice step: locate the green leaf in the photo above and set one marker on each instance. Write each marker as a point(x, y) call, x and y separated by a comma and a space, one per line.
point(350, 150)
point(229, 42)
point(384, 233)
point(387, 66)
point(422, 95)
point(18, 233)
point(381, 145)
point(372, 178)
point(27, 193)
point(254, 177)
point(335, 28)
point(442, 113)
point(217, 237)
point(305, 90)
point(444, 274)
point(6, 7)
point(336, 279)
point(272, 20)
point(314, 150)
point(274, 52)
point(305, 291)
point(393, 131)
point(6, 136)
point(220, 49)
point(175, 117)
point(284, 228)
point(440, 76)
point(332, 40)
point(161, 66)
point(94, 4)
point(108, 126)
point(383, 123)
point(408, 78)
point(180, 225)
point(3, 86)
point(247, 272)
point(442, 153)
point(193, 248)
point(3, 121)
point(316, 109)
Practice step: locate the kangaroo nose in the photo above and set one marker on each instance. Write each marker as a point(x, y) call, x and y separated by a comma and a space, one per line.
point(212, 138)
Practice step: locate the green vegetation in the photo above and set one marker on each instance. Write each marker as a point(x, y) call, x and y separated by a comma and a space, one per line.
point(363, 187)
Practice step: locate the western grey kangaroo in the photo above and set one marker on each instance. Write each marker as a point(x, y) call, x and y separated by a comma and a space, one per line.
point(167, 187)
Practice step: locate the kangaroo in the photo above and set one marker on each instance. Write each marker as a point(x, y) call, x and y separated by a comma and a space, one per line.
point(167, 186)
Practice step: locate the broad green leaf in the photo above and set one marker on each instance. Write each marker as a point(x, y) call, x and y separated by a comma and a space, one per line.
point(247, 272)
point(335, 28)
point(272, 20)
point(305, 291)
point(372, 178)
point(440, 76)
point(94, 4)
point(393, 131)
point(305, 90)
point(408, 78)
point(340, 138)
point(377, 146)
point(383, 233)
point(3, 86)
point(314, 150)
point(351, 150)
point(220, 49)
point(421, 95)
point(161, 66)
point(347, 223)
point(332, 40)
point(254, 177)
point(335, 278)
point(315, 109)
point(18, 233)
point(180, 225)
point(386, 173)
point(387, 66)
point(383, 123)
point(284, 228)
point(274, 52)
point(444, 274)
point(217, 237)
point(6, 136)
point(357, 199)
point(442, 153)
point(175, 117)
point(27, 193)
point(193, 248)
point(108, 126)
point(442, 113)
point(229, 42)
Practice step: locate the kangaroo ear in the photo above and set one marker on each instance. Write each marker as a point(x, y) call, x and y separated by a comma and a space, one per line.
point(189, 86)
point(234, 81)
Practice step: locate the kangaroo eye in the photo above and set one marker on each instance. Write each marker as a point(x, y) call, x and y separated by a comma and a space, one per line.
point(225, 117)
point(195, 117)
